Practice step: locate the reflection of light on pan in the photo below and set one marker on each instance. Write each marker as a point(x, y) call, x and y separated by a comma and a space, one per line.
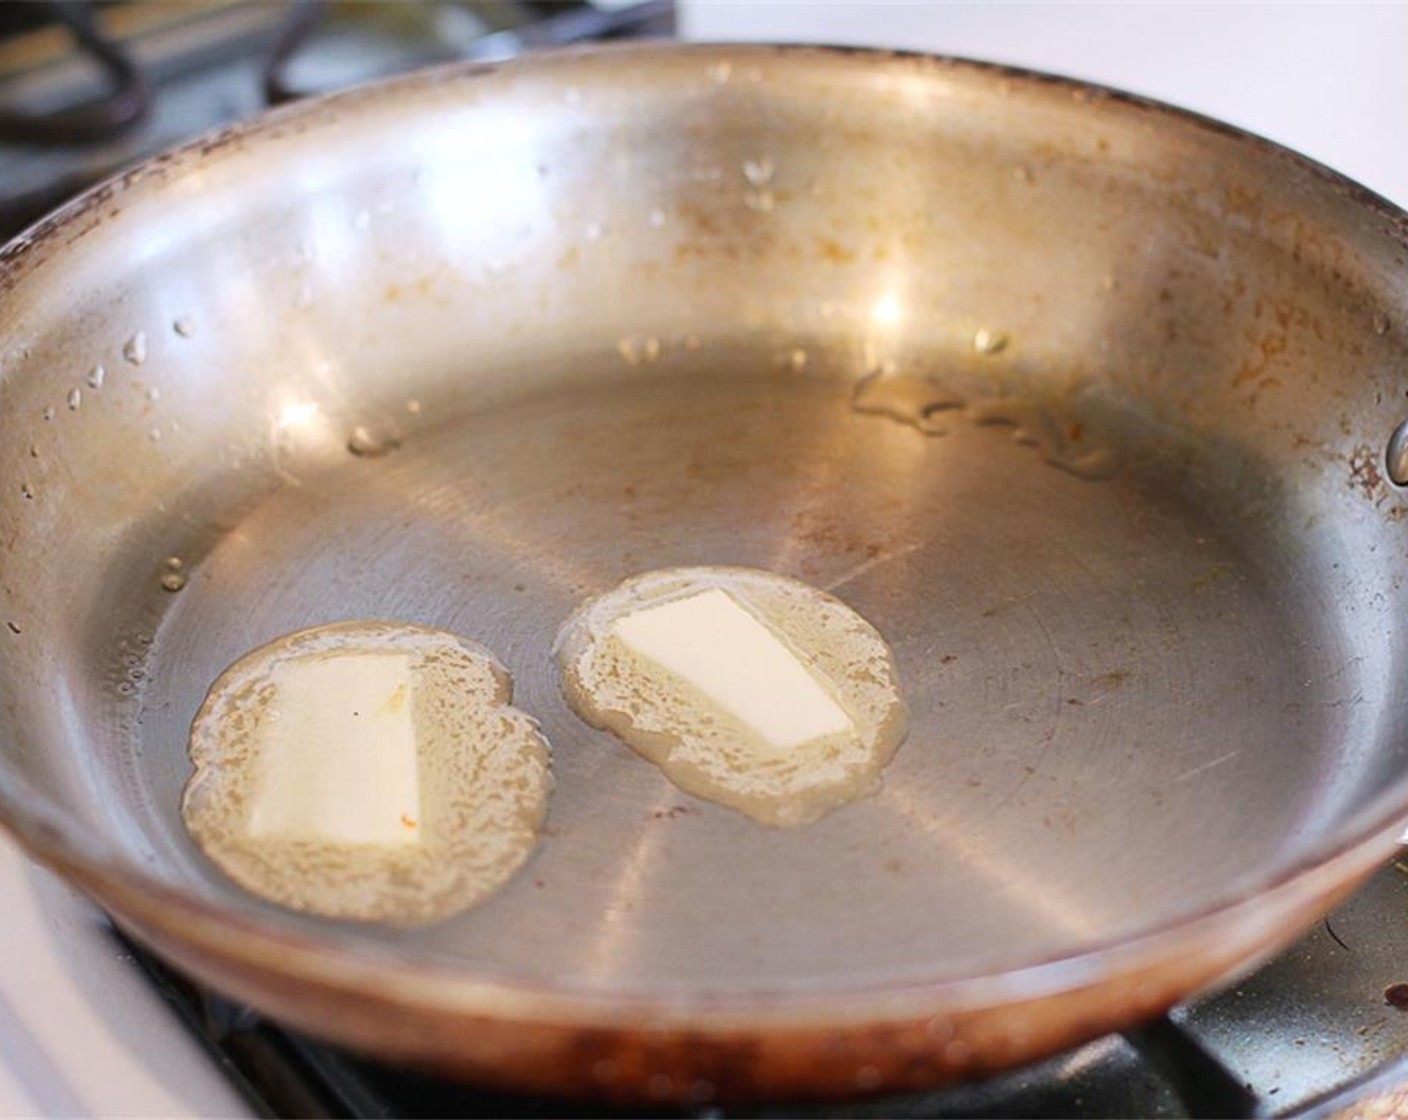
point(296, 414)
point(1008, 874)
point(887, 311)
point(611, 952)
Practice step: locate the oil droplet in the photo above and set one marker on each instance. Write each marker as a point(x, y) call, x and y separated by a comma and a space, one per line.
point(761, 201)
point(626, 347)
point(185, 326)
point(125, 687)
point(135, 348)
point(27, 491)
point(413, 407)
point(910, 400)
point(153, 394)
point(758, 171)
point(96, 376)
point(987, 341)
point(720, 71)
point(363, 443)
point(1060, 445)
point(48, 412)
point(173, 581)
point(174, 563)
point(1381, 323)
point(1396, 463)
point(75, 399)
point(797, 359)
point(657, 217)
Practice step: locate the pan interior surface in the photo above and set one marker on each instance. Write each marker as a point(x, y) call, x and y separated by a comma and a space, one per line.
point(572, 326)
point(1106, 684)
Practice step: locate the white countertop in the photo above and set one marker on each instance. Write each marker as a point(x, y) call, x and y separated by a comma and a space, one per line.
point(81, 1033)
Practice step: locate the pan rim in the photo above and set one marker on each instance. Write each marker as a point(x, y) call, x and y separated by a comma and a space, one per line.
point(45, 832)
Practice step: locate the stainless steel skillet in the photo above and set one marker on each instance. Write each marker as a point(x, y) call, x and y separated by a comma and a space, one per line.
point(602, 312)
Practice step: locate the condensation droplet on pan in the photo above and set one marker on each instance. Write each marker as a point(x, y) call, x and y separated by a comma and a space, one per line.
point(174, 564)
point(594, 231)
point(75, 399)
point(1396, 459)
point(96, 376)
point(154, 435)
point(1381, 323)
point(173, 581)
point(987, 341)
point(657, 218)
point(48, 412)
point(184, 326)
point(27, 491)
point(153, 394)
point(759, 172)
point(366, 444)
point(134, 350)
point(126, 688)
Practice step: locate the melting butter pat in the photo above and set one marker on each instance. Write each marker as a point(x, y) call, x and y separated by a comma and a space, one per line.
point(738, 663)
point(743, 686)
point(337, 752)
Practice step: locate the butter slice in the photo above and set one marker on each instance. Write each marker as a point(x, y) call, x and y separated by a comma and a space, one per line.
point(337, 752)
point(723, 651)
